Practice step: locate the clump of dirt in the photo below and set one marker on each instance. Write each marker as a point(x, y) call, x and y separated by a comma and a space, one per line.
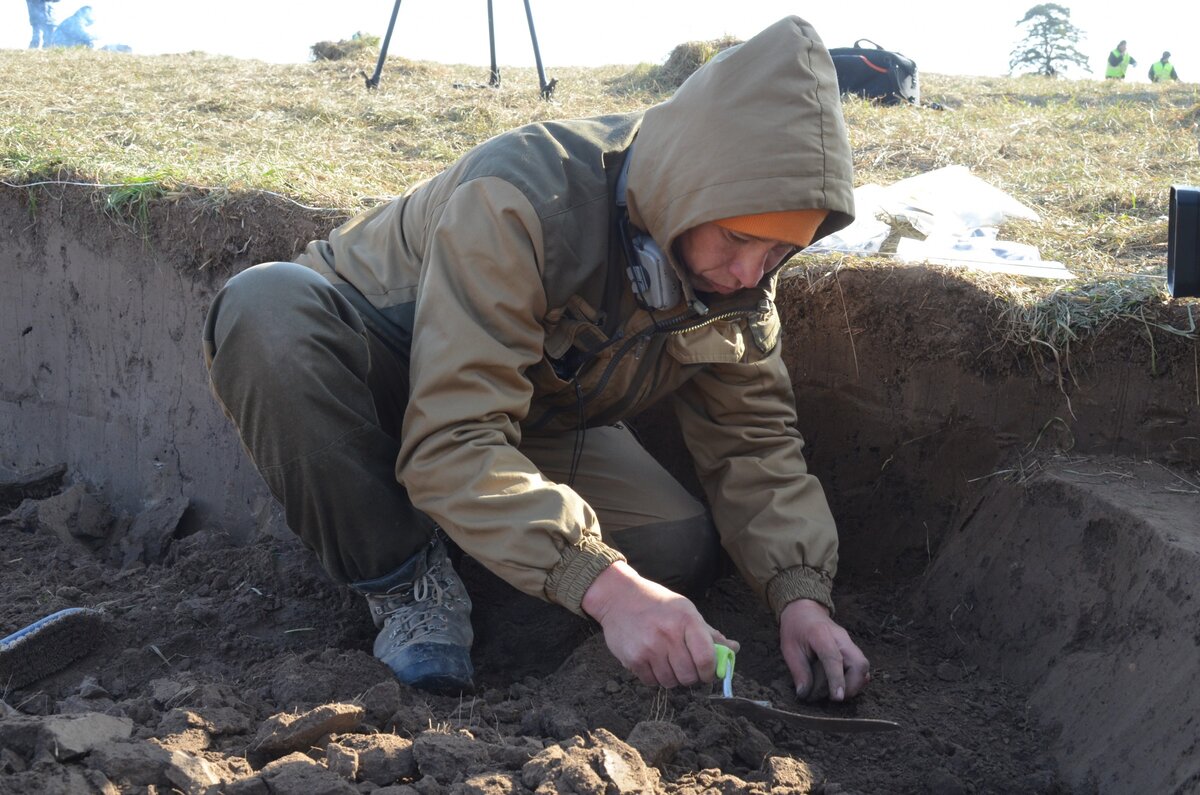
point(357, 46)
point(689, 56)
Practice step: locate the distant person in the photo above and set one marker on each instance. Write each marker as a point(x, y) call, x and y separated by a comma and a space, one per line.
point(42, 22)
point(73, 32)
point(1118, 61)
point(1163, 70)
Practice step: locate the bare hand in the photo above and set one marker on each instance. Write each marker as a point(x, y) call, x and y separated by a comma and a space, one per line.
point(654, 632)
point(820, 654)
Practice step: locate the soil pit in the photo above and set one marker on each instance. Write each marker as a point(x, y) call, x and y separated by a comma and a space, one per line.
point(1019, 561)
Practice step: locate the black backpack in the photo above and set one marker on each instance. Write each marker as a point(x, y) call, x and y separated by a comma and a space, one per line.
point(876, 73)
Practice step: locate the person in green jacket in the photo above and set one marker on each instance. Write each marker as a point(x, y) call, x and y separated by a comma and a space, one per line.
point(458, 365)
point(1118, 62)
point(1163, 70)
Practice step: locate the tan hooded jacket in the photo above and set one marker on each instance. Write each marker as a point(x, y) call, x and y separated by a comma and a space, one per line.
point(508, 270)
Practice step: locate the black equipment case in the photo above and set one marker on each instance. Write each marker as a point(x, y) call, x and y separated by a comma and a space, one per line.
point(876, 73)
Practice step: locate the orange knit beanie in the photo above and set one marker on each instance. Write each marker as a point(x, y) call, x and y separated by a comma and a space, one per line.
point(789, 226)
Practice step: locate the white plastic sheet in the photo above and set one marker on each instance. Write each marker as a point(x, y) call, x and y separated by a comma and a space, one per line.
point(958, 214)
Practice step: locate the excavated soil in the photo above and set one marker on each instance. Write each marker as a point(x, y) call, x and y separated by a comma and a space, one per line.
point(1019, 558)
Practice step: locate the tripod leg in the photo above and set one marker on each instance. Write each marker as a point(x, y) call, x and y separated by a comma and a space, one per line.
point(547, 88)
point(494, 80)
point(373, 80)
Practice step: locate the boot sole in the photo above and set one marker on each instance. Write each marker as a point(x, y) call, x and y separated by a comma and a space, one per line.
point(49, 645)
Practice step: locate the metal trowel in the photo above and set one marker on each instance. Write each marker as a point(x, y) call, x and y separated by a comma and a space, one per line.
point(762, 710)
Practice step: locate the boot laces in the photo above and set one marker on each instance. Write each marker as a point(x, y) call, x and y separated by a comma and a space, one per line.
point(421, 609)
point(427, 585)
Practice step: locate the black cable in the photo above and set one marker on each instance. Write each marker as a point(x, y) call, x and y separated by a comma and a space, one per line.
point(580, 438)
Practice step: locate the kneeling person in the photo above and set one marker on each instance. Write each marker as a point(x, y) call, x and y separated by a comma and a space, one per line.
point(460, 361)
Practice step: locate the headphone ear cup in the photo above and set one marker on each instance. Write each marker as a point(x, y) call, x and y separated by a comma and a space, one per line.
point(654, 281)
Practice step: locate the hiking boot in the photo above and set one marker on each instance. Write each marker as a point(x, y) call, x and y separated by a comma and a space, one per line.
point(424, 616)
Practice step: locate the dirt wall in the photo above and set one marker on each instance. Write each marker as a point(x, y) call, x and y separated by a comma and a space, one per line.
point(1080, 585)
point(905, 395)
point(102, 361)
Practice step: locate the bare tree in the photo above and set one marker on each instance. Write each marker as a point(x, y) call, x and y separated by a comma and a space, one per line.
point(1049, 46)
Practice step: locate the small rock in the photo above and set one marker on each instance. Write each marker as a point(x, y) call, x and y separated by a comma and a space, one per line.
point(188, 741)
point(283, 733)
point(191, 774)
point(381, 758)
point(561, 722)
point(628, 777)
point(63, 737)
point(342, 760)
point(75, 515)
point(753, 746)
point(297, 773)
point(790, 774)
point(163, 691)
point(138, 763)
point(152, 531)
point(381, 701)
point(224, 720)
point(634, 776)
point(572, 766)
point(563, 770)
point(513, 752)
point(488, 784)
point(90, 688)
point(657, 741)
point(445, 757)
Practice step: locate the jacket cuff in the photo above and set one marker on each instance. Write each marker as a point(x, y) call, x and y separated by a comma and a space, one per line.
point(579, 567)
point(799, 582)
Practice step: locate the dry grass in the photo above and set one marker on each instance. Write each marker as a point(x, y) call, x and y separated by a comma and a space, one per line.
point(1094, 158)
point(312, 132)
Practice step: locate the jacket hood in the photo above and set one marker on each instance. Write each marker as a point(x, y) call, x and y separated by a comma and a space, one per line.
point(757, 129)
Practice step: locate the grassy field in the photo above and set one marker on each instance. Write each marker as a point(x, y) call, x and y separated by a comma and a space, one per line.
point(1094, 158)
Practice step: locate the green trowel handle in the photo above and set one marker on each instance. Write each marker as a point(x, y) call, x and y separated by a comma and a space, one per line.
point(725, 661)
